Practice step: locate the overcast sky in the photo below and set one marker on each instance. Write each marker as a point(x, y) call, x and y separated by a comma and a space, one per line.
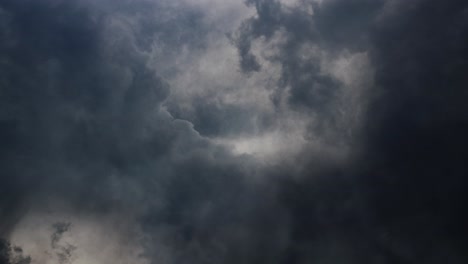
point(232, 131)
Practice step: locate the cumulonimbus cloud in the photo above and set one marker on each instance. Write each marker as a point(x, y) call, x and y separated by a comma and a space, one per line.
point(154, 131)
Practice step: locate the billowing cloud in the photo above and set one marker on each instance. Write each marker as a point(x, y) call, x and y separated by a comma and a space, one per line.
point(156, 131)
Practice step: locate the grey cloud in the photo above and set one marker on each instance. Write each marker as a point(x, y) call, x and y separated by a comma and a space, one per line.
point(309, 31)
point(88, 121)
point(86, 113)
point(214, 119)
point(411, 147)
point(72, 105)
point(416, 125)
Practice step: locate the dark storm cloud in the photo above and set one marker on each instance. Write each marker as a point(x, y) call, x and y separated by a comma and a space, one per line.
point(82, 122)
point(415, 137)
point(216, 214)
point(332, 27)
point(410, 169)
point(29, 103)
point(81, 110)
point(73, 108)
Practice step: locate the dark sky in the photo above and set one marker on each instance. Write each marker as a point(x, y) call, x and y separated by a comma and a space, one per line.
point(231, 131)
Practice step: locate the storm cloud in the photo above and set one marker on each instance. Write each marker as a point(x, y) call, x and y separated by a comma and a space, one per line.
point(265, 131)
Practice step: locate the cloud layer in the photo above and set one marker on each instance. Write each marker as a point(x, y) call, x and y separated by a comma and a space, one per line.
point(156, 131)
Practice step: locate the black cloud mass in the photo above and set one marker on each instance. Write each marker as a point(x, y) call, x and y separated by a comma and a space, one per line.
point(264, 131)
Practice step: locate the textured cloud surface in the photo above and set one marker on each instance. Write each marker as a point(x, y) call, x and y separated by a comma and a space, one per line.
point(230, 131)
